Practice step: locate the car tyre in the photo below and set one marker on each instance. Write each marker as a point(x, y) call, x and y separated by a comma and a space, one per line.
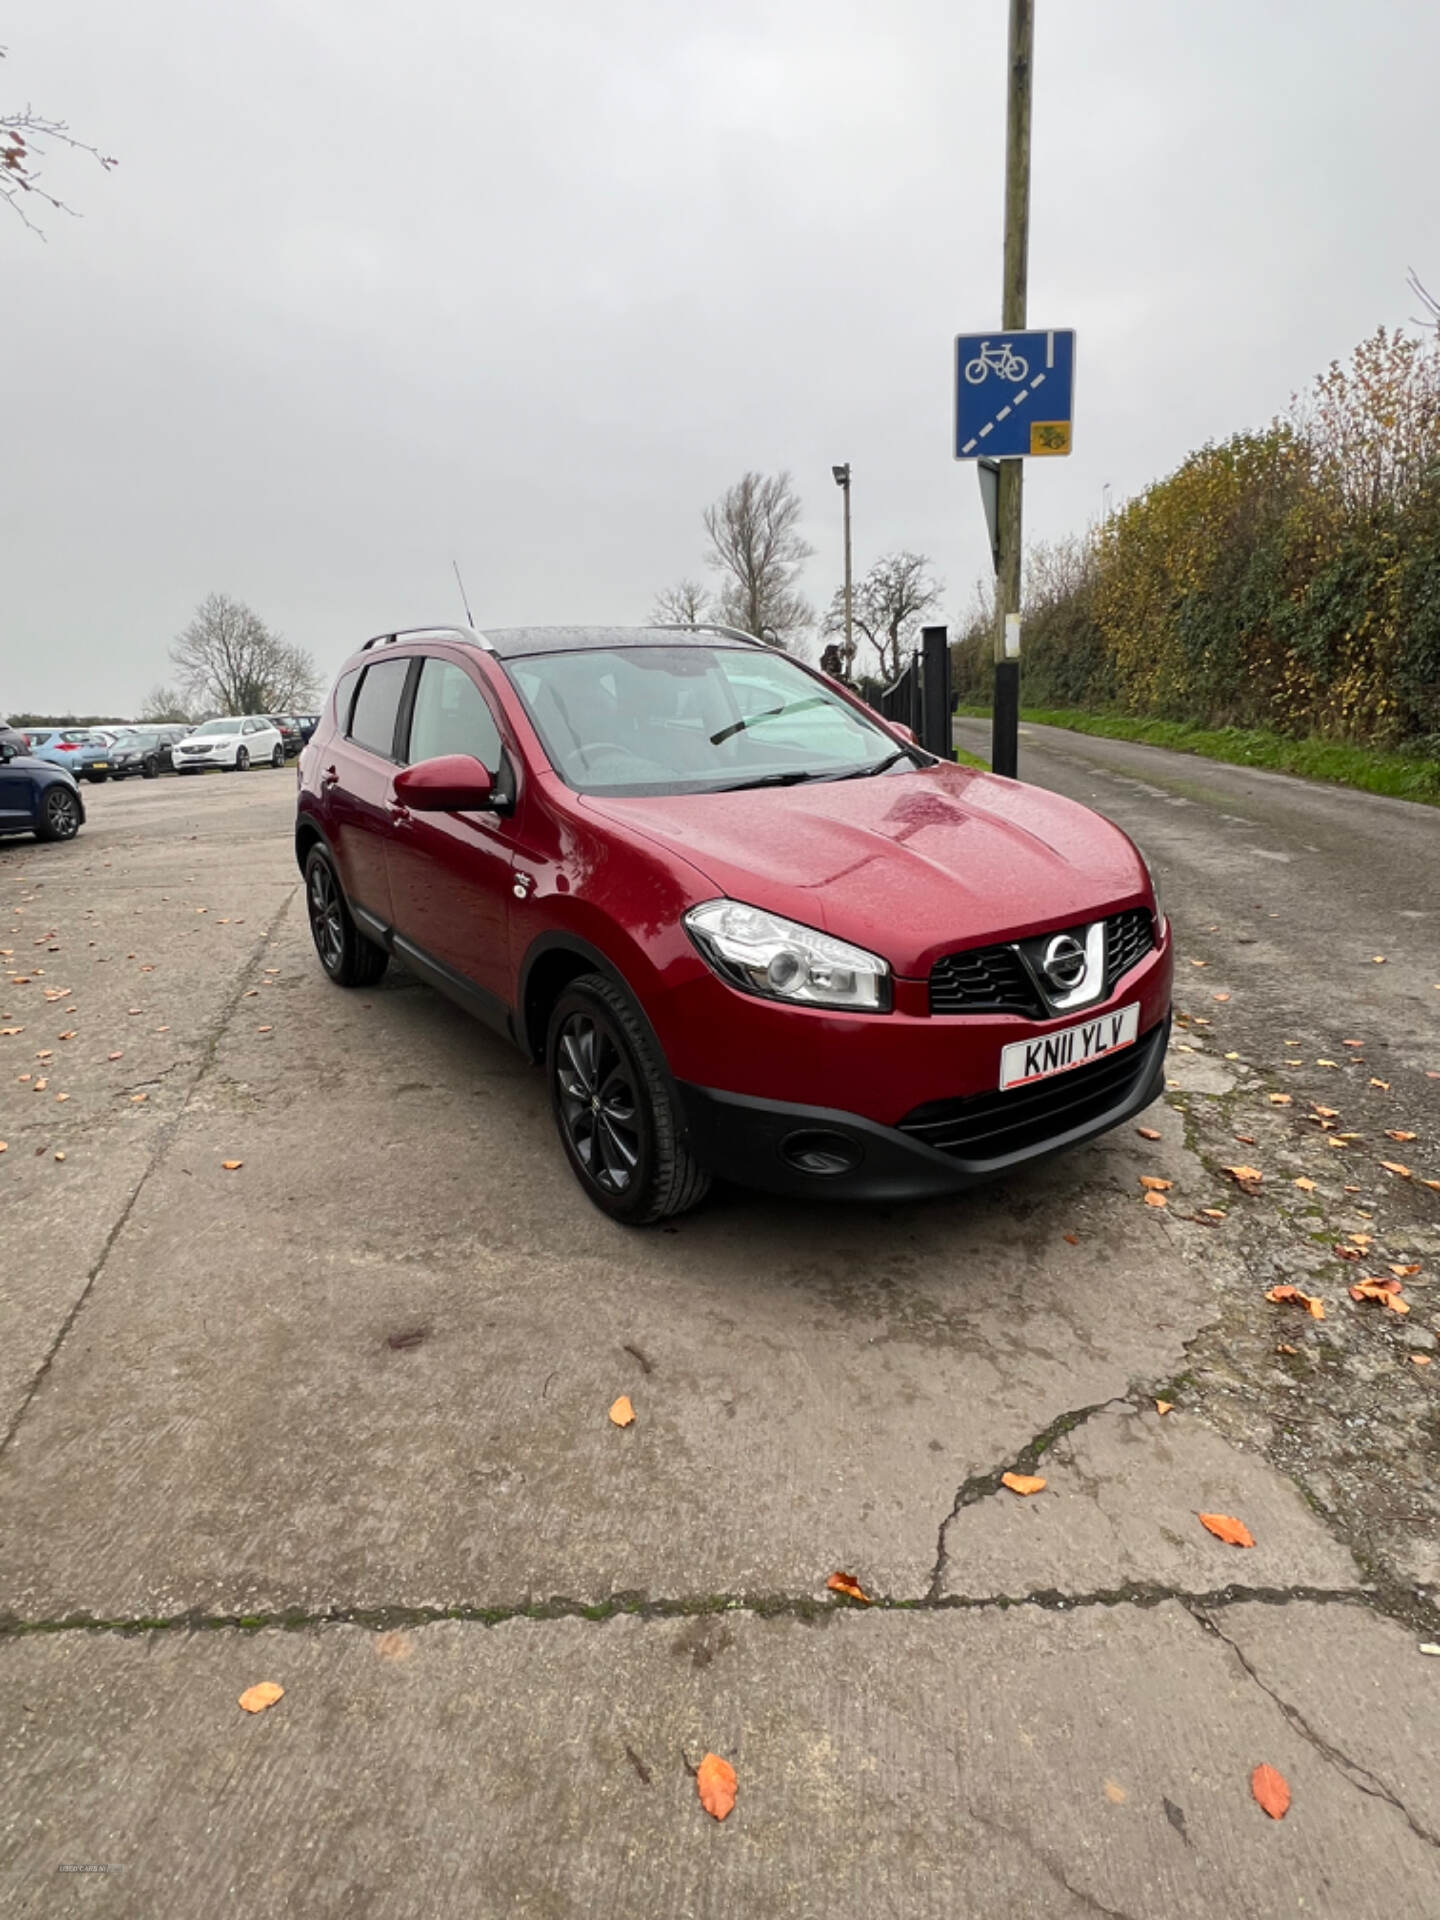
point(277, 758)
point(242, 760)
point(614, 1108)
point(348, 958)
point(59, 815)
point(150, 770)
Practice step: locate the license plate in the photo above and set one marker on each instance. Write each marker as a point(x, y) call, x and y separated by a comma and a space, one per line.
point(102, 766)
point(1026, 1060)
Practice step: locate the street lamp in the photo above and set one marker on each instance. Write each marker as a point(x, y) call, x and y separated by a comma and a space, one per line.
point(842, 480)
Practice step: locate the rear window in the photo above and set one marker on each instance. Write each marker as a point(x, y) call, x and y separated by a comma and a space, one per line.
point(344, 693)
point(372, 724)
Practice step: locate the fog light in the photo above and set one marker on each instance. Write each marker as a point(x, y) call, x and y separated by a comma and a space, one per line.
point(821, 1153)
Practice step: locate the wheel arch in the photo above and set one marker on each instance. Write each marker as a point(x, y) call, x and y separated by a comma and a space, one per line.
point(552, 963)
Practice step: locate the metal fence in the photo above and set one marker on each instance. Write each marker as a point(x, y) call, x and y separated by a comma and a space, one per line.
point(920, 697)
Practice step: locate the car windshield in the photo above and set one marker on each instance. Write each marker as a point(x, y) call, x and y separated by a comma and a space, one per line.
point(692, 719)
point(144, 741)
point(217, 726)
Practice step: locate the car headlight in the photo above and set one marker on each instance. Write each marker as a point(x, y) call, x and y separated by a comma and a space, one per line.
point(761, 953)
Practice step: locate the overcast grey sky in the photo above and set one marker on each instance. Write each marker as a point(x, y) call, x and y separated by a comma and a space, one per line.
point(376, 284)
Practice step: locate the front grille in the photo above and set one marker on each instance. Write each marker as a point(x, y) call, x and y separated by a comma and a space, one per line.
point(984, 979)
point(996, 979)
point(1129, 936)
point(990, 1126)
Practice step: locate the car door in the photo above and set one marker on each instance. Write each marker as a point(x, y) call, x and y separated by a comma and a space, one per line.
point(17, 791)
point(357, 782)
point(450, 873)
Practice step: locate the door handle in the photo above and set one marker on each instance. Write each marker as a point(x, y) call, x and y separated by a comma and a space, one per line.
point(330, 777)
point(399, 813)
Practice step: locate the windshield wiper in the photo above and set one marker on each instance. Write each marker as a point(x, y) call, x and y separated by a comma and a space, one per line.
point(864, 773)
point(791, 779)
point(770, 713)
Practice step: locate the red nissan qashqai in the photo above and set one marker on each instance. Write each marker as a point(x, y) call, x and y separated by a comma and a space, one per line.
point(750, 930)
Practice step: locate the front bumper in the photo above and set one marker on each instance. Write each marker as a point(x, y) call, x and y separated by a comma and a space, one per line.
point(775, 1146)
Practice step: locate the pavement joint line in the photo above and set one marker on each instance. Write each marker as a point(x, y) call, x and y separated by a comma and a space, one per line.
point(204, 1060)
point(807, 1608)
point(1359, 1777)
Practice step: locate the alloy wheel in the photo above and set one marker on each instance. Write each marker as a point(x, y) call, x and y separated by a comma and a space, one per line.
point(62, 815)
point(327, 925)
point(598, 1105)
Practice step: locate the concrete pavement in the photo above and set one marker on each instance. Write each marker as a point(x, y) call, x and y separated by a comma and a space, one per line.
point(336, 1418)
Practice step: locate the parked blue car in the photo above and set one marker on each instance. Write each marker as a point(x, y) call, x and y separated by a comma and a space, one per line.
point(80, 752)
point(36, 797)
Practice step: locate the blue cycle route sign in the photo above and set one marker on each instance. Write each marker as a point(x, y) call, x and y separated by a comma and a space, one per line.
point(1014, 394)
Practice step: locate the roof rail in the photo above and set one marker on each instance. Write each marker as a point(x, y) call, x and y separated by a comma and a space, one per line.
point(705, 626)
point(467, 635)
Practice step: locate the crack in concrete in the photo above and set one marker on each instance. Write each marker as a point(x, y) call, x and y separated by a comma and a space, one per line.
point(802, 1607)
point(1042, 1859)
point(1348, 1769)
point(980, 1486)
point(204, 1060)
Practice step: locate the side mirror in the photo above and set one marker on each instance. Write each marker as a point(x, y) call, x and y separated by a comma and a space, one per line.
point(454, 783)
point(905, 733)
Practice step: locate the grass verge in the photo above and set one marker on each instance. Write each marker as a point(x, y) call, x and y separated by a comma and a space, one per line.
point(1367, 768)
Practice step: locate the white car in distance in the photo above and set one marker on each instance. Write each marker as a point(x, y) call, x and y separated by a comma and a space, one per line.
point(232, 745)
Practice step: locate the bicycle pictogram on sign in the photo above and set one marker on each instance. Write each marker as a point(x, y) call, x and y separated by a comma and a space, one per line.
point(1001, 360)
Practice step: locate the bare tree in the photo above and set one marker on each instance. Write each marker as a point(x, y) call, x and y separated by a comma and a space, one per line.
point(889, 603)
point(1431, 317)
point(684, 605)
point(165, 706)
point(229, 660)
point(756, 544)
point(23, 139)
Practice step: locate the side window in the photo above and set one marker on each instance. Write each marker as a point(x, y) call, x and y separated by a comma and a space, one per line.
point(372, 724)
point(451, 716)
point(344, 694)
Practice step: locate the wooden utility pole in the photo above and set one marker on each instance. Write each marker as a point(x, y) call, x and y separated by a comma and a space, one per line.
point(1005, 720)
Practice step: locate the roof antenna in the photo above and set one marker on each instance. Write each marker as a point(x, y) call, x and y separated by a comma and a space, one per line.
point(464, 599)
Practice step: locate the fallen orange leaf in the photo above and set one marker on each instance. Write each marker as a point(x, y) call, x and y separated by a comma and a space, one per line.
point(256, 1699)
point(1352, 1043)
point(1271, 1790)
point(715, 1783)
point(1306, 1186)
point(1234, 1532)
point(1022, 1483)
point(1404, 1273)
point(1220, 996)
point(622, 1413)
point(847, 1583)
point(1292, 1296)
point(1148, 1133)
point(1421, 1359)
point(1384, 1085)
point(1248, 1179)
point(232, 1166)
point(1325, 1113)
point(1387, 1292)
point(1156, 1200)
point(1281, 1100)
point(1394, 1166)
point(1155, 1183)
point(1163, 1406)
point(1391, 1133)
